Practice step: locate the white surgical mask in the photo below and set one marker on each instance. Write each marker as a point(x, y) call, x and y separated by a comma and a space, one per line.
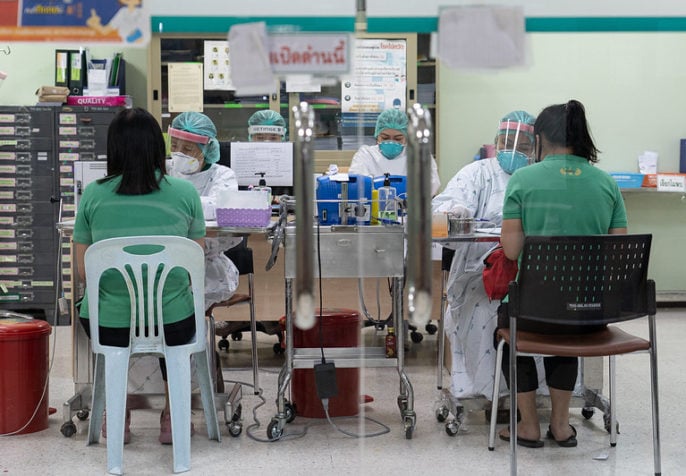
point(185, 164)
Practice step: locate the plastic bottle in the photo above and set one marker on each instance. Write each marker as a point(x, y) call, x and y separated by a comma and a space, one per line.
point(390, 342)
point(375, 207)
point(262, 185)
point(388, 207)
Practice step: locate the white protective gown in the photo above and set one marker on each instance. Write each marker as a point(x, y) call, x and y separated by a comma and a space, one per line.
point(368, 160)
point(471, 317)
point(221, 275)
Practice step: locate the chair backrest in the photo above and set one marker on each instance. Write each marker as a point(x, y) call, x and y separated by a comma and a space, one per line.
point(582, 280)
point(144, 263)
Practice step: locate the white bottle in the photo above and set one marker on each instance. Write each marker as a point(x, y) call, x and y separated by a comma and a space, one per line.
point(262, 185)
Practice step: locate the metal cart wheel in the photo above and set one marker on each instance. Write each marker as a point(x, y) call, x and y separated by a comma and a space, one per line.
point(68, 429)
point(452, 427)
point(587, 412)
point(416, 337)
point(223, 344)
point(82, 415)
point(274, 432)
point(431, 328)
point(442, 413)
point(237, 336)
point(235, 428)
point(290, 411)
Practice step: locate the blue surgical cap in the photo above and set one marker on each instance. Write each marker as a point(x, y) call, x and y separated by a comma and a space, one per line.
point(267, 117)
point(200, 124)
point(522, 117)
point(391, 119)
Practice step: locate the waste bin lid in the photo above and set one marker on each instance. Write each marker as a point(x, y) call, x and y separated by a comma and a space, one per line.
point(21, 325)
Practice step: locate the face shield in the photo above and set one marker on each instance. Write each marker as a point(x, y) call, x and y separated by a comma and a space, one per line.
point(515, 145)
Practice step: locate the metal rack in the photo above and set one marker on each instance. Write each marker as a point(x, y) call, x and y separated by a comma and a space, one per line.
point(347, 252)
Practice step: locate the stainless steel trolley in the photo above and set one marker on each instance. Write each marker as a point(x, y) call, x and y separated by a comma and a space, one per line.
point(347, 252)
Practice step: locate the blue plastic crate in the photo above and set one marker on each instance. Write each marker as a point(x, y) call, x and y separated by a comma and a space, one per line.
point(627, 179)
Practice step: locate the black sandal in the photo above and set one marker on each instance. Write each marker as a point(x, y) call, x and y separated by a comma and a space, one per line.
point(523, 441)
point(568, 443)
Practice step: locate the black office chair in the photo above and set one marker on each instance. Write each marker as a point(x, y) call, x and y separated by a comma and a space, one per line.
point(580, 281)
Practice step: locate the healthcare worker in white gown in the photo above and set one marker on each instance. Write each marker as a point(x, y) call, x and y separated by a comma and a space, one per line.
point(389, 155)
point(195, 152)
point(477, 191)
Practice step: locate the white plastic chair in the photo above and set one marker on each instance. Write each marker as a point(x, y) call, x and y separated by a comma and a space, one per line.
point(112, 363)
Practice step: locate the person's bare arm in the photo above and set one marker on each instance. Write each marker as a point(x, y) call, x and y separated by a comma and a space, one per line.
point(80, 250)
point(617, 231)
point(512, 238)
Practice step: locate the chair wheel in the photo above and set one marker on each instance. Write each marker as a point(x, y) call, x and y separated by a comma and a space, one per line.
point(82, 415)
point(587, 413)
point(431, 329)
point(223, 344)
point(237, 336)
point(416, 337)
point(68, 429)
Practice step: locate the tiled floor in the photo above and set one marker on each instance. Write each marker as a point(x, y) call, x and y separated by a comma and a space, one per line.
point(323, 450)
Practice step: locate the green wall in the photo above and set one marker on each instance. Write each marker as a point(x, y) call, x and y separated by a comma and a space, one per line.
point(32, 65)
point(633, 86)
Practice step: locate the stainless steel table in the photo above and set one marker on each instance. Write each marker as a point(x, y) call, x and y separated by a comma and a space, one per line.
point(348, 252)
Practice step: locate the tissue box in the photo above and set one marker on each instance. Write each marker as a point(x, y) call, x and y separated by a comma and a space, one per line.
point(249, 208)
point(249, 217)
point(627, 179)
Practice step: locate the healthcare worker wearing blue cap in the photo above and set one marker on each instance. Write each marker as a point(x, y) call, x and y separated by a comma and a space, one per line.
point(266, 126)
point(195, 152)
point(389, 154)
point(477, 191)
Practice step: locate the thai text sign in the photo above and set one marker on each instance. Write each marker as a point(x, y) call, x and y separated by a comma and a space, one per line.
point(309, 53)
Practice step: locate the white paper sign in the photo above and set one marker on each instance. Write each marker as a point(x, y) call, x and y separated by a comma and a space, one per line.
point(274, 159)
point(217, 72)
point(671, 183)
point(185, 87)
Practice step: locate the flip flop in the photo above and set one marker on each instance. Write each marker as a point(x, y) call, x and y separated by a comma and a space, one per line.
point(523, 441)
point(568, 443)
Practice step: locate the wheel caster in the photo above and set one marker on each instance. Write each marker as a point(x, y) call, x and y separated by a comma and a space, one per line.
point(82, 415)
point(68, 429)
point(238, 413)
point(452, 427)
point(278, 350)
point(235, 429)
point(442, 413)
point(408, 431)
point(273, 430)
point(416, 337)
point(290, 411)
point(587, 412)
point(431, 328)
point(223, 344)
point(237, 336)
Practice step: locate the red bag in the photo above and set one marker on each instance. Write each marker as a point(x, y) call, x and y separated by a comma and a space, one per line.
point(499, 270)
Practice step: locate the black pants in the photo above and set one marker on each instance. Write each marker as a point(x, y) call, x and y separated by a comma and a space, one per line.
point(177, 333)
point(560, 372)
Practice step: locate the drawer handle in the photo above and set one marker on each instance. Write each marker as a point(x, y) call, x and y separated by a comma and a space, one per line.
point(344, 242)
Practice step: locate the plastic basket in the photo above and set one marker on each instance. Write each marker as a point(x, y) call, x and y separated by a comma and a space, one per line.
point(249, 217)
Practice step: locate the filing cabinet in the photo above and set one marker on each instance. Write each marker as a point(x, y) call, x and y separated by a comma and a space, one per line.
point(38, 148)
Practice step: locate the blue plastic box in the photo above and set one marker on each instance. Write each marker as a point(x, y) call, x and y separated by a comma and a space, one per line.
point(627, 179)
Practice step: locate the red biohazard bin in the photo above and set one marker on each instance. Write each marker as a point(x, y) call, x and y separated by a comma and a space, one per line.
point(24, 367)
point(340, 328)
